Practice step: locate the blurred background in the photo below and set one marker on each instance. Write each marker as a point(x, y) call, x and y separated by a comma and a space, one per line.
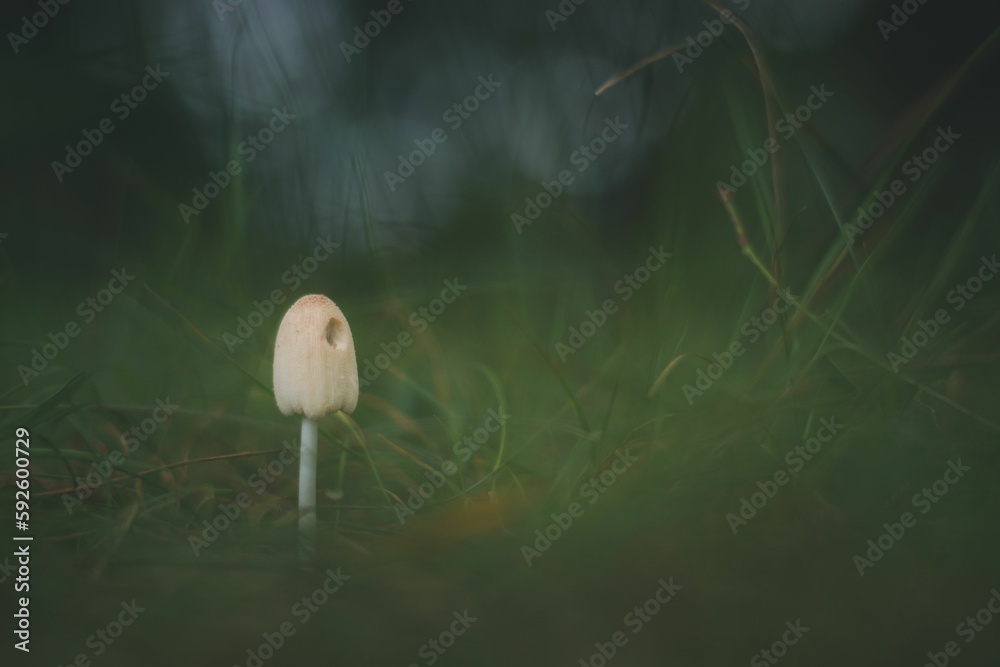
point(571, 220)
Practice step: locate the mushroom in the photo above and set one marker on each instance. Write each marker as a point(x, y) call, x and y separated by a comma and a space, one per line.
point(315, 373)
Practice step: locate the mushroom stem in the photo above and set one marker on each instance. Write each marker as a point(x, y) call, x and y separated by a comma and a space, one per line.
point(307, 489)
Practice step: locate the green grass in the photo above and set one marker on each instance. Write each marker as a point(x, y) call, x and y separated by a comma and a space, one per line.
point(494, 349)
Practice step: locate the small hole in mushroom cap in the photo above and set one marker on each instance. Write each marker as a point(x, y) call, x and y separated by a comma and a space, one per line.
point(332, 331)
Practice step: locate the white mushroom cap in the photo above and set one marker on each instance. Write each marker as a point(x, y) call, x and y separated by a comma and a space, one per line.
point(315, 370)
